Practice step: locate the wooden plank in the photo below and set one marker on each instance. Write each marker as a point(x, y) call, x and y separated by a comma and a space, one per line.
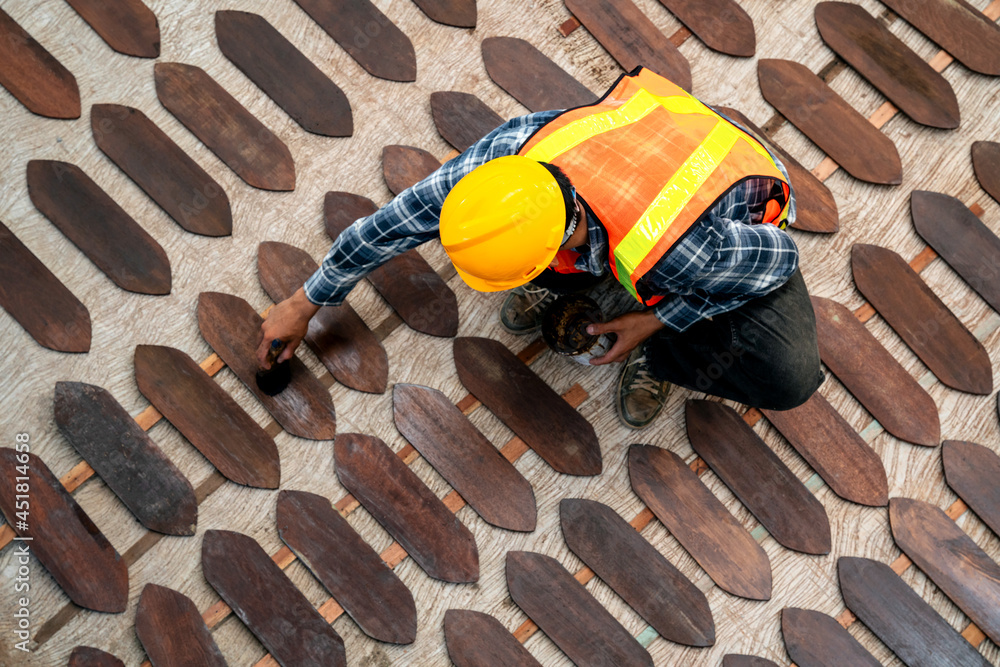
point(703, 526)
point(348, 568)
point(436, 540)
point(531, 77)
point(734, 660)
point(961, 239)
point(817, 640)
point(33, 75)
point(172, 632)
point(722, 25)
point(245, 144)
point(173, 180)
point(207, 416)
point(405, 166)
point(986, 164)
point(958, 28)
point(99, 227)
point(475, 639)
point(462, 119)
point(464, 457)
point(636, 571)
point(888, 64)
point(528, 406)
point(829, 122)
point(921, 319)
point(127, 459)
point(61, 535)
point(973, 472)
point(58, 321)
point(876, 379)
point(128, 26)
point(816, 209)
point(268, 603)
point(456, 13)
point(631, 38)
point(338, 336)
point(848, 464)
point(367, 35)
point(232, 327)
point(762, 482)
point(900, 618)
point(951, 559)
point(284, 73)
point(568, 614)
point(85, 656)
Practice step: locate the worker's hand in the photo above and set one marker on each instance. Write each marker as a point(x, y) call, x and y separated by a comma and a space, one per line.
point(287, 321)
point(631, 328)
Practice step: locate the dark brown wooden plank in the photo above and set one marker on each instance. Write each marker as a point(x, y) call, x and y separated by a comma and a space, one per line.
point(951, 559)
point(127, 459)
point(338, 336)
point(40, 303)
point(85, 656)
point(958, 27)
point(921, 319)
point(99, 227)
point(721, 24)
point(245, 144)
point(528, 406)
point(475, 639)
point(172, 632)
point(961, 239)
point(172, 179)
point(207, 416)
point(232, 328)
point(367, 35)
point(568, 614)
point(457, 13)
point(703, 526)
point(636, 571)
point(973, 471)
point(63, 537)
point(128, 26)
point(631, 38)
point(890, 65)
point(284, 73)
point(986, 163)
point(848, 464)
point(762, 482)
point(900, 618)
point(817, 640)
point(268, 603)
point(405, 166)
point(351, 571)
point(829, 122)
point(462, 119)
point(464, 457)
point(434, 537)
point(816, 209)
point(33, 75)
point(531, 77)
point(407, 282)
point(734, 660)
point(876, 379)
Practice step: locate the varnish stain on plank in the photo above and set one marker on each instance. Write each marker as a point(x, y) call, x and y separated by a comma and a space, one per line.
point(817, 640)
point(476, 639)
point(973, 471)
point(128, 26)
point(462, 119)
point(405, 166)
point(86, 656)
point(958, 27)
point(172, 632)
point(531, 77)
point(457, 13)
point(33, 75)
point(722, 25)
point(734, 660)
point(986, 163)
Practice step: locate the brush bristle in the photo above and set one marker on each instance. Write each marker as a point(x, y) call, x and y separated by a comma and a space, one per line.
point(273, 381)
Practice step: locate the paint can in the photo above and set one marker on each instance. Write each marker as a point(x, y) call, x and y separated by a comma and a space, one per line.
point(564, 328)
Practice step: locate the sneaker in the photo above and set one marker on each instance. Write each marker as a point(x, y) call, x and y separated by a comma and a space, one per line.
point(640, 395)
point(523, 308)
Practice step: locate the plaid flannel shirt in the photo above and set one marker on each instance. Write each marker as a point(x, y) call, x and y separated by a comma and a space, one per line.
point(723, 261)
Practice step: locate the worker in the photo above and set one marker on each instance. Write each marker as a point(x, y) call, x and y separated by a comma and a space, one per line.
point(649, 187)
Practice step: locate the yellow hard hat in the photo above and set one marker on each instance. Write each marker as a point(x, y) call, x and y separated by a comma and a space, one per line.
point(502, 223)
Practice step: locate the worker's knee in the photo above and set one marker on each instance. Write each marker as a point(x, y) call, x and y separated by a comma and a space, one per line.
point(792, 378)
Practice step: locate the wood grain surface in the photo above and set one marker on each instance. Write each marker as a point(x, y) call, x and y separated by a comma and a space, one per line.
point(972, 470)
point(207, 416)
point(814, 639)
point(33, 75)
point(462, 119)
point(921, 319)
point(476, 639)
point(235, 135)
point(171, 630)
point(464, 457)
point(348, 568)
point(457, 13)
point(405, 166)
point(986, 164)
point(434, 537)
point(568, 614)
point(530, 77)
point(958, 27)
point(128, 26)
point(722, 25)
point(127, 459)
point(86, 656)
point(700, 522)
point(173, 180)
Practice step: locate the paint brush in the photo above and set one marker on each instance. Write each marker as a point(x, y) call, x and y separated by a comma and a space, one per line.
point(273, 380)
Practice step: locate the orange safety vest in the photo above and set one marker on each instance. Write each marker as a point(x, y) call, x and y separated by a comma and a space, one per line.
point(650, 160)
